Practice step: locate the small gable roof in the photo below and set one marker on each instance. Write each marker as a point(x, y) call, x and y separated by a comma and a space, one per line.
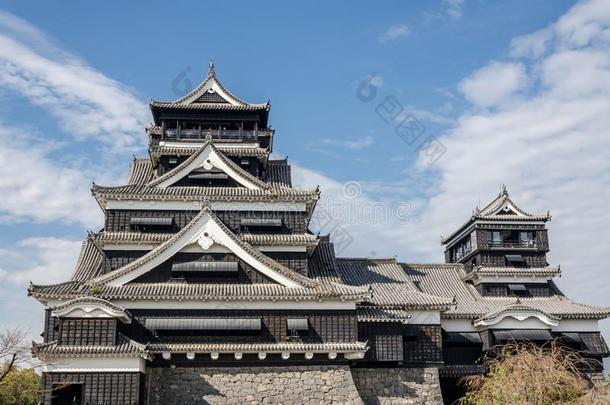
point(209, 158)
point(502, 208)
point(205, 229)
point(211, 94)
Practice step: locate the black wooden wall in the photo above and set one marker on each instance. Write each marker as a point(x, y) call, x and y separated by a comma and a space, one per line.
point(293, 221)
point(384, 340)
point(422, 344)
point(87, 332)
point(98, 388)
point(324, 326)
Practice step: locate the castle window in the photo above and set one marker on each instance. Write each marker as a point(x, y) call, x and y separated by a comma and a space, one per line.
point(151, 223)
point(296, 326)
point(205, 268)
point(515, 260)
point(207, 176)
point(526, 238)
point(462, 249)
point(218, 324)
point(517, 289)
point(494, 237)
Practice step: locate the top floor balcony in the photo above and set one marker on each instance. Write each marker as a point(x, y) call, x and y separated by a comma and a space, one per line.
point(158, 133)
point(229, 134)
point(513, 244)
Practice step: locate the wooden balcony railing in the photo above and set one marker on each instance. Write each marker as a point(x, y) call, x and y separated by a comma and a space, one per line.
point(231, 134)
point(521, 244)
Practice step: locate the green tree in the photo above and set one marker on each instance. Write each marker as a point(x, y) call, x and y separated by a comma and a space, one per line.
point(19, 383)
point(21, 386)
point(531, 375)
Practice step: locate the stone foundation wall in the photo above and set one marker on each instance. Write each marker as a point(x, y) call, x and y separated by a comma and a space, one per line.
point(251, 385)
point(398, 385)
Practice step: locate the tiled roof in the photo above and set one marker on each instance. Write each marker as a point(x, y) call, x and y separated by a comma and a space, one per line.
point(89, 261)
point(125, 348)
point(338, 347)
point(316, 288)
point(494, 212)
point(206, 96)
point(206, 214)
point(446, 280)
point(232, 150)
point(323, 264)
point(291, 239)
point(503, 199)
point(88, 299)
point(301, 239)
point(278, 172)
point(391, 288)
point(514, 272)
point(177, 290)
point(193, 193)
point(374, 314)
point(141, 171)
point(183, 167)
point(210, 106)
point(516, 307)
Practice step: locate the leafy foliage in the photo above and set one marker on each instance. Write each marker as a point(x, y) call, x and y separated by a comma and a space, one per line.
point(523, 373)
point(21, 386)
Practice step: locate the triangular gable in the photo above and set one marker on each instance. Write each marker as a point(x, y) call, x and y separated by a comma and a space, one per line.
point(212, 91)
point(205, 230)
point(503, 205)
point(209, 158)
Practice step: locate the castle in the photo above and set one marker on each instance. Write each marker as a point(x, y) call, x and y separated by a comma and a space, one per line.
point(206, 285)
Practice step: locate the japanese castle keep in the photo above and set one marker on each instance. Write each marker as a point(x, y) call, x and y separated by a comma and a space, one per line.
point(206, 285)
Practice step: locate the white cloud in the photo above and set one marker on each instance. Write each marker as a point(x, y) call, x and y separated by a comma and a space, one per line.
point(42, 180)
point(531, 45)
point(35, 187)
point(358, 143)
point(494, 84)
point(454, 9)
point(394, 32)
point(424, 115)
point(41, 260)
point(551, 149)
point(87, 104)
point(44, 260)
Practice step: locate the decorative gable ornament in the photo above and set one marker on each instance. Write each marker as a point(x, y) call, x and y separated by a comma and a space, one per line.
point(205, 241)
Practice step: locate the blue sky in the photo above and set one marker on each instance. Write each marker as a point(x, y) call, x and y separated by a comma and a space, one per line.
point(515, 92)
